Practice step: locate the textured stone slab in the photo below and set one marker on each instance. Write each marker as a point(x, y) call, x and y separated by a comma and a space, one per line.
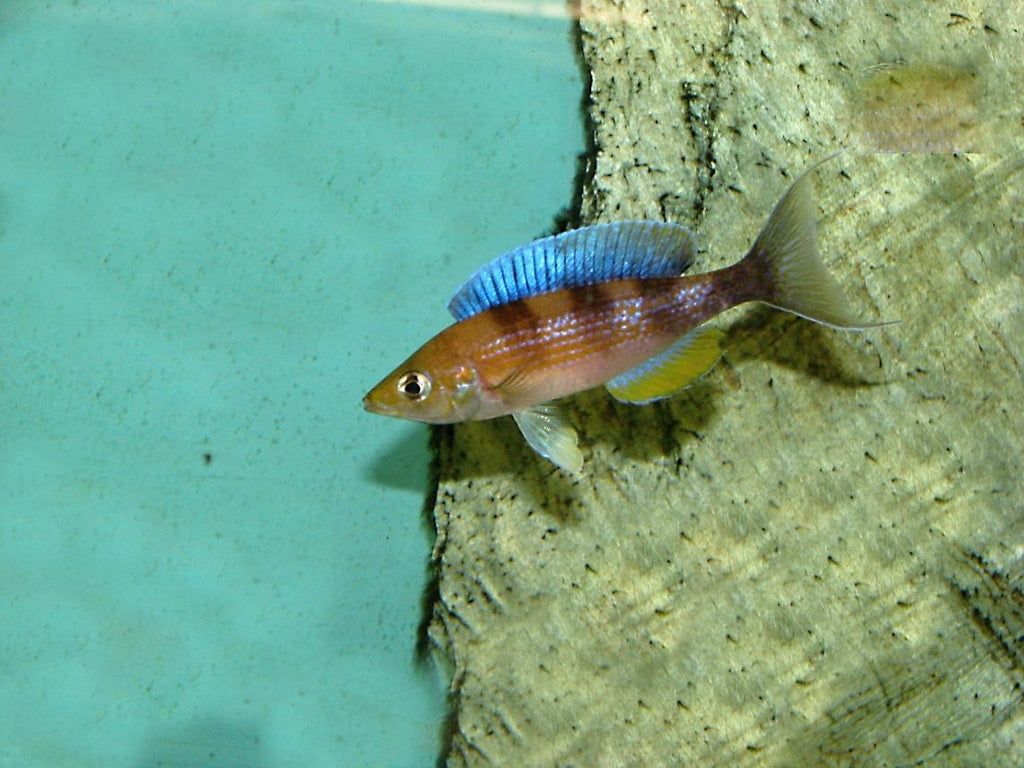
point(815, 556)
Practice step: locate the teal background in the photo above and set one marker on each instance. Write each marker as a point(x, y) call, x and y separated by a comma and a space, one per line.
point(220, 223)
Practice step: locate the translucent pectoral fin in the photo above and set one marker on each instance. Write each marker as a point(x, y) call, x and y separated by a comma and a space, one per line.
point(677, 367)
point(548, 433)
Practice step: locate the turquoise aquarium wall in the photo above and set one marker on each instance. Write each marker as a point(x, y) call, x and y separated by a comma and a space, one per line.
point(219, 225)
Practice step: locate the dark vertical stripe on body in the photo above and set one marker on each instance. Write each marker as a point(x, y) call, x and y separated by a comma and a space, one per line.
point(650, 291)
point(514, 328)
point(582, 298)
point(514, 317)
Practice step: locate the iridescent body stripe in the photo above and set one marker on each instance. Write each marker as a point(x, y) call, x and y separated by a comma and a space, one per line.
point(554, 344)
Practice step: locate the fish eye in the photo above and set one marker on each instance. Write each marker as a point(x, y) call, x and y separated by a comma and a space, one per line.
point(414, 385)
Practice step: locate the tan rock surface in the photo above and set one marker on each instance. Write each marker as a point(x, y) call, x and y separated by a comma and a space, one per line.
point(815, 556)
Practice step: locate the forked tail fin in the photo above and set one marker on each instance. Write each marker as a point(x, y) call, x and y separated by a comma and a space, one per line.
point(785, 256)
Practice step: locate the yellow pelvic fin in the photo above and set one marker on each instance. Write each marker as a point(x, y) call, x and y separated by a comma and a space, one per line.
point(666, 373)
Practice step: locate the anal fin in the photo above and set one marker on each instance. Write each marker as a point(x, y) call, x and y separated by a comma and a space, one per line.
point(548, 433)
point(666, 373)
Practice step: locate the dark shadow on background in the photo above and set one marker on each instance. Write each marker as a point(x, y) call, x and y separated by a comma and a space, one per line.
point(572, 215)
point(655, 430)
point(832, 356)
point(402, 461)
point(440, 438)
point(440, 441)
point(212, 742)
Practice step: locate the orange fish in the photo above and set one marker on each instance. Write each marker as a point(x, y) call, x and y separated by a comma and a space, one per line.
point(602, 305)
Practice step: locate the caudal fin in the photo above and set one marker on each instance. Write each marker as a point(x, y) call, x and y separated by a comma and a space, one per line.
point(785, 256)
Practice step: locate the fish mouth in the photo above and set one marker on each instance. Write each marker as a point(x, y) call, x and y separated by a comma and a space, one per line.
point(375, 406)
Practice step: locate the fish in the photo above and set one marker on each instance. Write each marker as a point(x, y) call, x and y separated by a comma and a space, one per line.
point(604, 305)
point(922, 108)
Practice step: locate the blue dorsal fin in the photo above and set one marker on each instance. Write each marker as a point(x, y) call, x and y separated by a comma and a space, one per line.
point(578, 257)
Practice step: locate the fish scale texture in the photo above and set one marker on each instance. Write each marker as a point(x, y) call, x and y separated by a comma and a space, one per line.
point(815, 556)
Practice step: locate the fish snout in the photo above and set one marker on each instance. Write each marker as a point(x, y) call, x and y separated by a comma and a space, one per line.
point(374, 403)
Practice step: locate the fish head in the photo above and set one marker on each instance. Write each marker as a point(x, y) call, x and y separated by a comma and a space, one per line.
point(427, 388)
